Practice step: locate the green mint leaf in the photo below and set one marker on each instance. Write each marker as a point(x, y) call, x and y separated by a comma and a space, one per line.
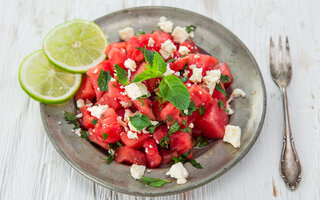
point(174, 128)
point(145, 96)
point(145, 75)
point(191, 108)
point(114, 85)
point(153, 182)
point(139, 99)
point(159, 66)
point(184, 122)
point(139, 33)
point(122, 75)
point(220, 103)
point(152, 128)
point(119, 144)
point(71, 118)
point(220, 89)
point(140, 121)
point(164, 142)
point(110, 158)
point(173, 90)
point(182, 158)
point(190, 28)
point(171, 60)
point(148, 55)
point(203, 144)
point(185, 155)
point(186, 130)
point(85, 134)
point(195, 164)
point(225, 78)
point(202, 109)
point(103, 80)
point(94, 121)
point(105, 136)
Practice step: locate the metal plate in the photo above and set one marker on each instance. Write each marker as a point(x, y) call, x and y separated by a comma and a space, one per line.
point(218, 157)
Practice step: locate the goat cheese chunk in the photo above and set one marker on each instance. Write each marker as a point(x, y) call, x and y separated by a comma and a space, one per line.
point(137, 171)
point(211, 78)
point(196, 74)
point(132, 135)
point(98, 110)
point(183, 50)
point(130, 64)
point(165, 25)
point(167, 49)
point(135, 90)
point(151, 42)
point(179, 34)
point(178, 172)
point(232, 135)
point(80, 103)
point(235, 94)
point(126, 33)
point(169, 71)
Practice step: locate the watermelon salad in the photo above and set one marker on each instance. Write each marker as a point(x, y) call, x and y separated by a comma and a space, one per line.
point(154, 101)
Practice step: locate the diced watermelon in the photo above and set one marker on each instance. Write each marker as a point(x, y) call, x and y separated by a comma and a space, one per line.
point(152, 153)
point(152, 83)
point(93, 75)
point(179, 63)
point(191, 46)
point(144, 105)
point(86, 90)
point(159, 38)
point(200, 96)
point(218, 95)
point(171, 114)
point(181, 143)
point(116, 92)
point(130, 156)
point(111, 102)
point(213, 122)
point(196, 132)
point(117, 56)
point(159, 133)
point(86, 119)
point(98, 140)
point(157, 107)
point(134, 143)
point(109, 125)
point(132, 51)
point(115, 45)
point(166, 156)
point(224, 69)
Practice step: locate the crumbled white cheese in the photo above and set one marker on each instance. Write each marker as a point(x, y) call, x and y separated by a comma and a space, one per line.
point(165, 25)
point(79, 115)
point(129, 74)
point(232, 135)
point(178, 172)
point(125, 104)
point(188, 84)
point(151, 42)
point(154, 122)
point(137, 171)
point(130, 64)
point(126, 33)
point(149, 170)
point(146, 150)
point(167, 49)
point(179, 34)
point(196, 56)
point(169, 70)
point(183, 50)
point(191, 34)
point(144, 130)
point(98, 110)
point(186, 112)
point(95, 71)
point(135, 90)
point(191, 125)
point(185, 73)
point(88, 103)
point(127, 114)
point(132, 135)
point(78, 132)
point(211, 78)
point(111, 151)
point(132, 128)
point(235, 94)
point(80, 103)
point(196, 75)
point(59, 123)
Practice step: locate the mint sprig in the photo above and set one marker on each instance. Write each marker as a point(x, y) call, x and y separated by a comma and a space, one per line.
point(183, 158)
point(122, 75)
point(140, 121)
point(103, 80)
point(220, 104)
point(220, 89)
point(153, 182)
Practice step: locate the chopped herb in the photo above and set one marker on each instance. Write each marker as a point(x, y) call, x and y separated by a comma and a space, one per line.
point(183, 158)
point(220, 89)
point(174, 128)
point(184, 79)
point(71, 118)
point(225, 78)
point(184, 122)
point(186, 130)
point(139, 99)
point(103, 80)
point(84, 134)
point(110, 158)
point(145, 96)
point(164, 142)
point(152, 128)
point(114, 85)
point(191, 108)
point(195, 164)
point(201, 142)
point(119, 144)
point(94, 121)
point(153, 182)
point(122, 75)
point(140, 121)
point(202, 109)
point(105, 136)
point(190, 28)
point(220, 103)
point(185, 67)
point(139, 33)
point(171, 60)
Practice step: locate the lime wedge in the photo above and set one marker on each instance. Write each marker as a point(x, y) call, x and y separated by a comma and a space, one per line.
point(45, 82)
point(76, 45)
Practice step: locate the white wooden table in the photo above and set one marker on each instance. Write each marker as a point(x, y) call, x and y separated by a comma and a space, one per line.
point(30, 167)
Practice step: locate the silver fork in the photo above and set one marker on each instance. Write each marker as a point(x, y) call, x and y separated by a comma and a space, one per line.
point(290, 167)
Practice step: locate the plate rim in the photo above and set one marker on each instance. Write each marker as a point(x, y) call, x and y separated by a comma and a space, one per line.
point(210, 178)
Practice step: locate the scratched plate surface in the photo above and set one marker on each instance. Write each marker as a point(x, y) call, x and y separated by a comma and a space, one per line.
point(216, 158)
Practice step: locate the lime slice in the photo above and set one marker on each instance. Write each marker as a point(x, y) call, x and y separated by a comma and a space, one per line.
point(45, 82)
point(76, 45)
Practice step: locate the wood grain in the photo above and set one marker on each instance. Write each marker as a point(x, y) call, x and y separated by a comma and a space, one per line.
point(30, 168)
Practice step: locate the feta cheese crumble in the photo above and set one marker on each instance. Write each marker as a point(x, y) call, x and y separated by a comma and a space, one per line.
point(79, 115)
point(178, 172)
point(135, 90)
point(80, 103)
point(232, 135)
point(235, 94)
point(196, 75)
point(132, 135)
point(130, 64)
point(137, 171)
point(77, 132)
point(169, 70)
point(179, 34)
point(151, 42)
point(126, 33)
point(154, 122)
point(183, 50)
point(211, 79)
point(165, 25)
point(98, 110)
point(125, 104)
point(167, 49)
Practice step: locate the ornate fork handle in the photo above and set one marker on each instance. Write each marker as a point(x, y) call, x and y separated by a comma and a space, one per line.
point(290, 167)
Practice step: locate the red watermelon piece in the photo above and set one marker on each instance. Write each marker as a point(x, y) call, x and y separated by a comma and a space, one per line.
point(86, 90)
point(86, 119)
point(181, 143)
point(144, 105)
point(224, 69)
point(93, 75)
point(130, 156)
point(134, 143)
point(166, 156)
point(159, 133)
point(98, 140)
point(152, 153)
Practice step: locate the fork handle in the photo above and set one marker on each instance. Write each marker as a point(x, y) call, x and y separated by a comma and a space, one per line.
point(290, 167)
